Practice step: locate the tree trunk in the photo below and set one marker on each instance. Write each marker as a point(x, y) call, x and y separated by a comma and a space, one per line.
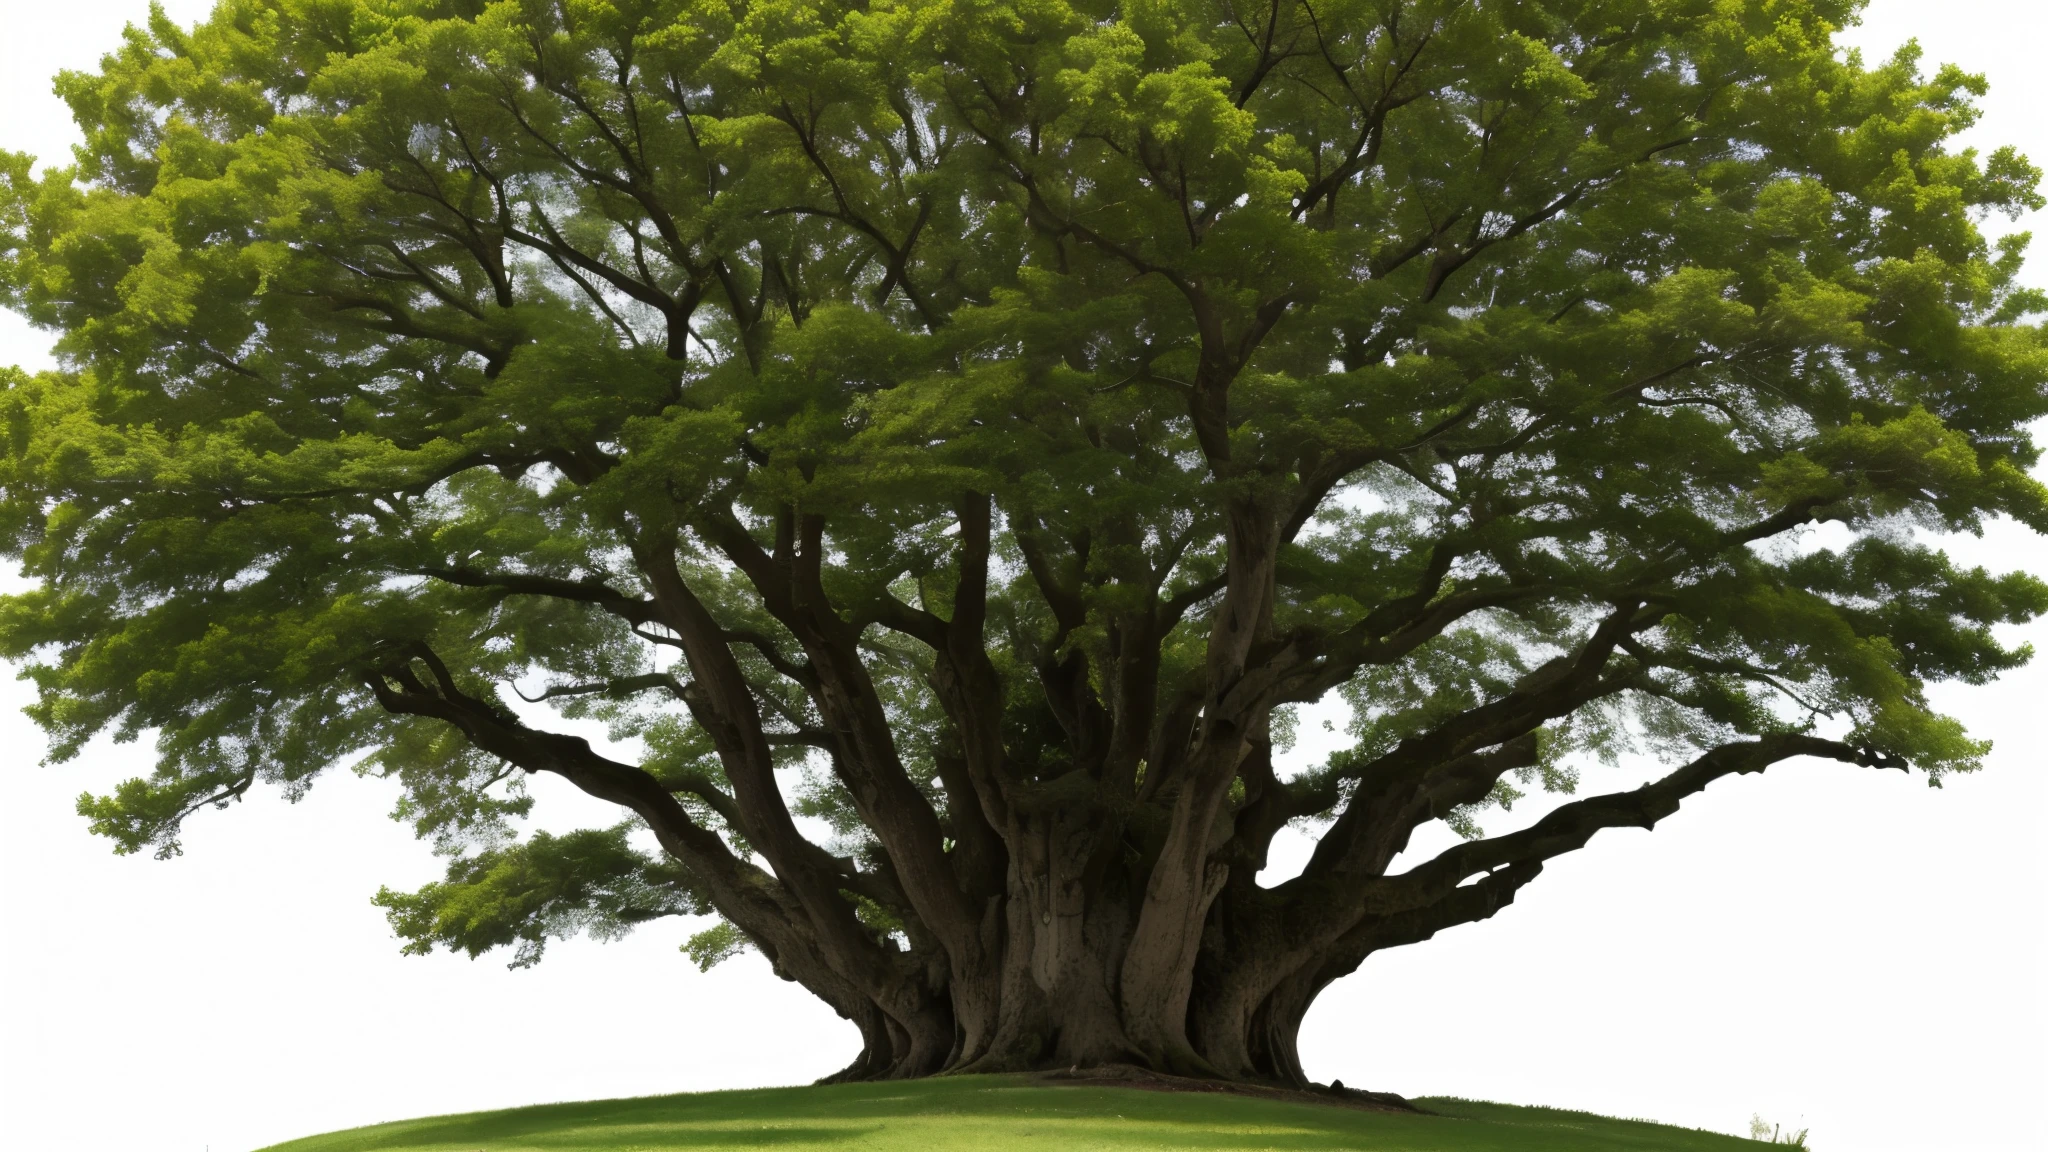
point(1055, 1003)
point(1054, 993)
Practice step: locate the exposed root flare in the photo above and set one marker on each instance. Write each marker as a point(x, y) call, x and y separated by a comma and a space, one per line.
point(1137, 1076)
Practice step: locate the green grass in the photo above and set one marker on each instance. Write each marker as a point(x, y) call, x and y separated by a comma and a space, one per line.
point(994, 1114)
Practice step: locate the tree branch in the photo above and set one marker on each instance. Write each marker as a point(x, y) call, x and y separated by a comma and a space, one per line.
point(1572, 826)
point(596, 592)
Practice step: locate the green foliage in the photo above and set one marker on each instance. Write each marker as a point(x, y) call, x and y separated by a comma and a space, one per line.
point(714, 945)
point(549, 887)
point(392, 326)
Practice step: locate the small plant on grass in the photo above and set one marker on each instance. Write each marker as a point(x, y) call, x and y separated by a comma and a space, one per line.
point(1761, 1129)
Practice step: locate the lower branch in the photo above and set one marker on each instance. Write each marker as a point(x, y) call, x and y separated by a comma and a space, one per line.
point(860, 987)
point(1285, 951)
point(1571, 826)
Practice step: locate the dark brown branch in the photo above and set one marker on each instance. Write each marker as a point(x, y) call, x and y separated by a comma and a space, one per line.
point(1429, 773)
point(789, 582)
point(761, 905)
point(1570, 827)
point(596, 592)
point(625, 686)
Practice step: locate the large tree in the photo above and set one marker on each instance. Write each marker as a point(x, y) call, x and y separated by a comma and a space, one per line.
point(943, 440)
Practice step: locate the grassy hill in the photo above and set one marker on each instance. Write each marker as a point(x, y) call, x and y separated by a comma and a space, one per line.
point(995, 1114)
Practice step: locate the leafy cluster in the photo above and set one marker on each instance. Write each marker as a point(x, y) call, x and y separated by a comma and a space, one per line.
point(934, 400)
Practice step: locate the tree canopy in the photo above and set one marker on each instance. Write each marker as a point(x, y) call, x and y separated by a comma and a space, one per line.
point(942, 440)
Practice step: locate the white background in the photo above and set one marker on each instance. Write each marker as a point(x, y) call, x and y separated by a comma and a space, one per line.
point(1833, 948)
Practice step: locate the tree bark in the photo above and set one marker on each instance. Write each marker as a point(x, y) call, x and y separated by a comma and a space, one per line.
point(1099, 909)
